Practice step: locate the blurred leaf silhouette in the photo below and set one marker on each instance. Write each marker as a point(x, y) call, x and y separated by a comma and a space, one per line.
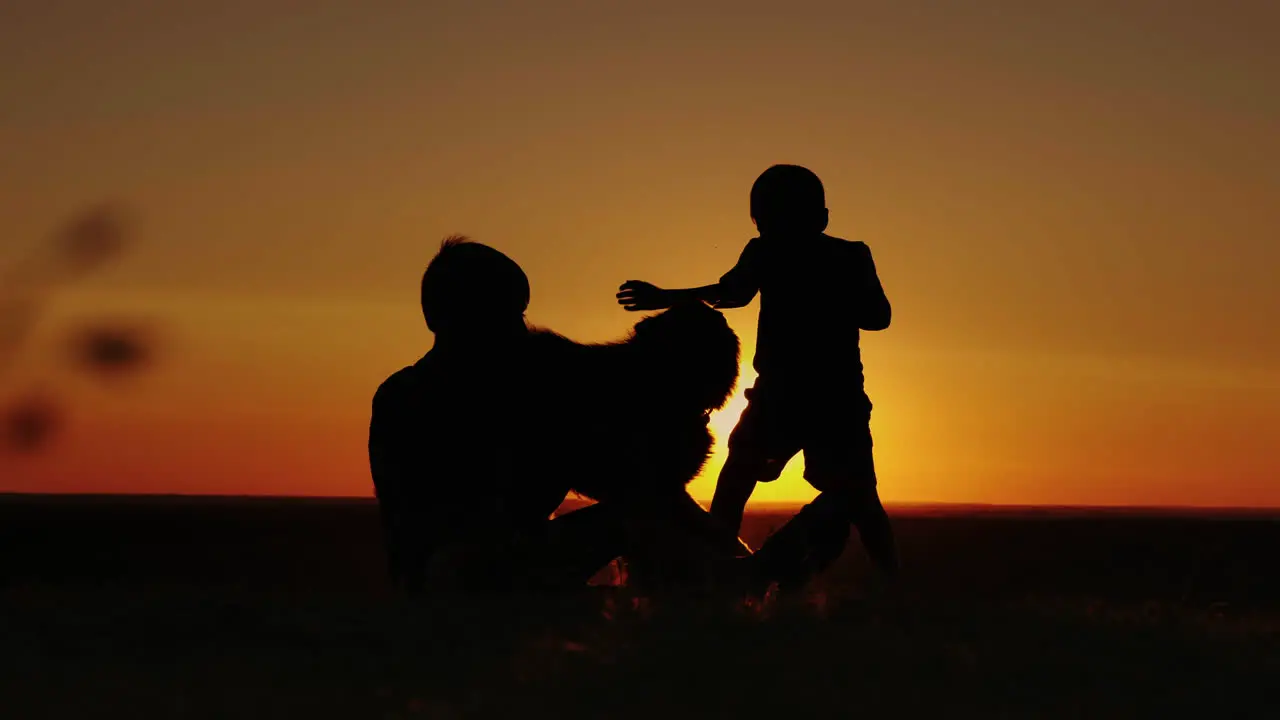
point(30, 422)
point(87, 242)
point(102, 348)
point(92, 239)
point(112, 350)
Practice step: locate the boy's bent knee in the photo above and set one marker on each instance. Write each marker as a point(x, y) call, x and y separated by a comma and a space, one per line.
point(857, 504)
point(746, 468)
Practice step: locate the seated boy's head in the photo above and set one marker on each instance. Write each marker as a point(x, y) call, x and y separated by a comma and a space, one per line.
point(788, 199)
point(473, 292)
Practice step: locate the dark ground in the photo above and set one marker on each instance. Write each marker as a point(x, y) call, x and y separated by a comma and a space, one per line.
point(160, 607)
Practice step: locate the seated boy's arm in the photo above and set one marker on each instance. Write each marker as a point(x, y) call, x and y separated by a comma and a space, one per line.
point(873, 309)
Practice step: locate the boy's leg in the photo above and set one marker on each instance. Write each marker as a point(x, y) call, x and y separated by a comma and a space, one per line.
point(759, 448)
point(550, 556)
point(842, 468)
point(577, 545)
point(816, 537)
point(737, 481)
point(802, 548)
point(867, 514)
point(674, 544)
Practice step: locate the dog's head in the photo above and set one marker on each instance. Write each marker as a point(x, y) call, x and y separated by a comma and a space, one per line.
point(690, 355)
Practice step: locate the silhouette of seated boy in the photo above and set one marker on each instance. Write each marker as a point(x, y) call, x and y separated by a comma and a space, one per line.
point(445, 446)
point(817, 293)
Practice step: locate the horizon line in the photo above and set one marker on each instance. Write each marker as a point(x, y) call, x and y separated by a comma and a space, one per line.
point(765, 504)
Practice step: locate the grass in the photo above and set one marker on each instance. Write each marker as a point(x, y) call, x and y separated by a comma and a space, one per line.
point(153, 653)
point(127, 636)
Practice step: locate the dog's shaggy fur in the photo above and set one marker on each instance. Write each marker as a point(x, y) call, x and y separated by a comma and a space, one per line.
point(628, 419)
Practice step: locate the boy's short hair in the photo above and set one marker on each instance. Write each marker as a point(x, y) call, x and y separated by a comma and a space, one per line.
point(468, 286)
point(787, 194)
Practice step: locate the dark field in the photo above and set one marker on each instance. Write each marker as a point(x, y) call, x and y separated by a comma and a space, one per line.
point(158, 607)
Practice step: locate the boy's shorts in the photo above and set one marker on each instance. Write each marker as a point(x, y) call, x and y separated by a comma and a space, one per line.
point(833, 432)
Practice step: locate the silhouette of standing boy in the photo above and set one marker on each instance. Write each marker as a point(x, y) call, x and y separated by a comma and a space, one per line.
point(816, 293)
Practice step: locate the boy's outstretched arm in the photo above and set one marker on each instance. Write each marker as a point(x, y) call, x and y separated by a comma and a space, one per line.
point(639, 296)
point(874, 311)
point(736, 289)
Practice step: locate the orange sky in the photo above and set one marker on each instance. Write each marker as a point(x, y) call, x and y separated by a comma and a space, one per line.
point(1073, 207)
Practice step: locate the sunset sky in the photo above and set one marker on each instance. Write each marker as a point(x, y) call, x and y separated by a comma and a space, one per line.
point(1074, 206)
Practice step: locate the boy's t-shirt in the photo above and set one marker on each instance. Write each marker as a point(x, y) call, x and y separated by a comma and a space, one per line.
point(816, 293)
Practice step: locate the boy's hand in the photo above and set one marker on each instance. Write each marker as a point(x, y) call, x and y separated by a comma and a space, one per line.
point(639, 296)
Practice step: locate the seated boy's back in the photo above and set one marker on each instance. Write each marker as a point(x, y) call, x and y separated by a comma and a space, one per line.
point(444, 442)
